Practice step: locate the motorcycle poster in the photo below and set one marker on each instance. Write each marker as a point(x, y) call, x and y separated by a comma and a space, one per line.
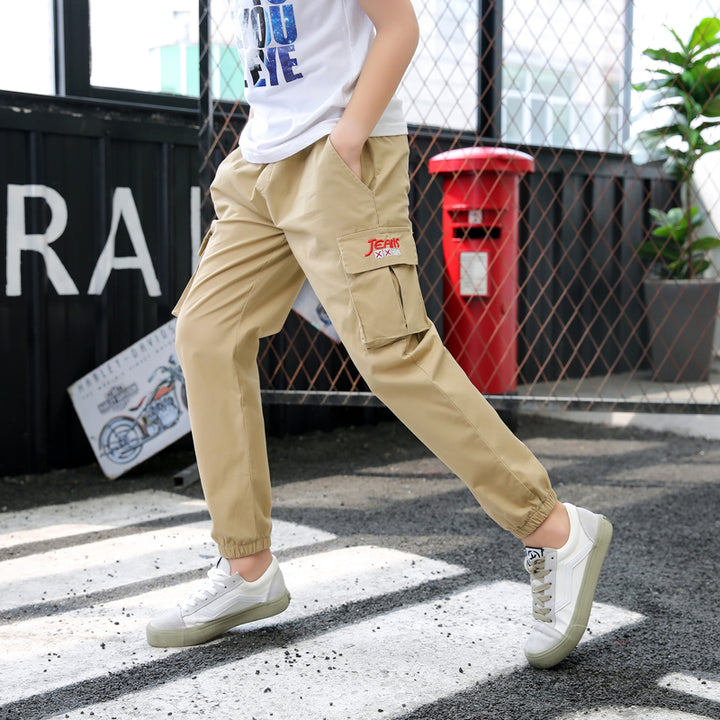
point(135, 404)
point(308, 306)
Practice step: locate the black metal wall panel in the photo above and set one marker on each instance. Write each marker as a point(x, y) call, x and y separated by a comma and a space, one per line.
point(61, 323)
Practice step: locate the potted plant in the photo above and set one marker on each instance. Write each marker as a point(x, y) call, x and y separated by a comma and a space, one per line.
point(681, 302)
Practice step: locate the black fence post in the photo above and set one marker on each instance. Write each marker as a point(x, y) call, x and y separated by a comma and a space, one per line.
point(489, 75)
point(206, 135)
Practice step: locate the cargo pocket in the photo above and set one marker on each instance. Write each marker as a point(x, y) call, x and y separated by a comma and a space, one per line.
point(381, 269)
point(203, 245)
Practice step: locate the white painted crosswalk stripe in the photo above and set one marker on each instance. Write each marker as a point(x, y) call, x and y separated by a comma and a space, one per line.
point(692, 685)
point(633, 713)
point(75, 518)
point(70, 647)
point(392, 663)
point(114, 562)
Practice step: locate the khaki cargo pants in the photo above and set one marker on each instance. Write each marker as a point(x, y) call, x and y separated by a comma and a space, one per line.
point(310, 215)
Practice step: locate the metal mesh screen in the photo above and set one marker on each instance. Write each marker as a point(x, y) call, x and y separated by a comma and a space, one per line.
point(554, 81)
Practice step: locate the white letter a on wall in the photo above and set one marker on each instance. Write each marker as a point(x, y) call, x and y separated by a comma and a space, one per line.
point(123, 206)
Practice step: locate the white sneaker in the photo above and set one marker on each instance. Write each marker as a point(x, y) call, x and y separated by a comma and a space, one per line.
point(220, 603)
point(563, 586)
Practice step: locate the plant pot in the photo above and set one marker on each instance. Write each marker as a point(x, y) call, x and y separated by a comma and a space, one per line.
point(681, 320)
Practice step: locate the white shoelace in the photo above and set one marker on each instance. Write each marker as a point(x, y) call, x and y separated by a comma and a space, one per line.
point(538, 587)
point(215, 582)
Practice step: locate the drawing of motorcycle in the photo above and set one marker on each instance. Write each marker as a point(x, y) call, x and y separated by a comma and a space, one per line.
point(123, 437)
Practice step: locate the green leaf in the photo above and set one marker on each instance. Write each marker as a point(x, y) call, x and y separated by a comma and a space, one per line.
point(668, 56)
point(665, 132)
point(711, 76)
point(712, 106)
point(649, 250)
point(658, 251)
point(709, 90)
point(698, 220)
point(709, 57)
point(657, 84)
point(663, 231)
point(659, 216)
point(673, 242)
point(695, 100)
point(689, 77)
point(678, 270)
point(673, 236)
point(694, 138)
point(705, 34)
point(696, 217)
point(676, 215)
point(709, 242)
point(672, 226)
point(701, 267)
point(686, 48)
point(709, 125)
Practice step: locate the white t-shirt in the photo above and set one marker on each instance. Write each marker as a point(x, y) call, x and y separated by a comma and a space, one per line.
point(302, 59)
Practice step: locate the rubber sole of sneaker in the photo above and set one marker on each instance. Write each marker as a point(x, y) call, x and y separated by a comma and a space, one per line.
point(558, 652)
point(197, 634)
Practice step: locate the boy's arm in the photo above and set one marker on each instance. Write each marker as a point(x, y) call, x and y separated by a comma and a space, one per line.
point(385, 65)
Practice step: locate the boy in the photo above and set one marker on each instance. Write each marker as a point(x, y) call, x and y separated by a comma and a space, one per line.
point(320, 176)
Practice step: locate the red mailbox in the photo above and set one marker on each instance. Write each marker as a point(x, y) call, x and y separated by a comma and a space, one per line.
point(480, 249)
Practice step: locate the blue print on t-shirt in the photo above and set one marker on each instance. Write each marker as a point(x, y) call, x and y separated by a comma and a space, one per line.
point(268, 35)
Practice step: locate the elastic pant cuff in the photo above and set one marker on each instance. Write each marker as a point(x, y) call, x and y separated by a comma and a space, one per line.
point(230, 548)
point(537, 517)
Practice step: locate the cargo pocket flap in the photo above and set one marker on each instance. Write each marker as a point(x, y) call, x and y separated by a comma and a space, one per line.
point(381, 269)
point(376, 248)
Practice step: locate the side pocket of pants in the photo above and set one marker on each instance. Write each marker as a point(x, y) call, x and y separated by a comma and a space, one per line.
point(380, 265)
point(203, 245)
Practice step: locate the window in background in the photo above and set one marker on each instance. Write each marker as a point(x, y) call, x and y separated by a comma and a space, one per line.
point(559, 59)
point(153, 47)
point(228, 81)
point(440, 86)
point(563, 74)
point(27, 47)
point(146, 46)
point(537, 105)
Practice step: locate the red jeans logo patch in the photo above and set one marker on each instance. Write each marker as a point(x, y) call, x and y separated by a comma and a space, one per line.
point(383, 247)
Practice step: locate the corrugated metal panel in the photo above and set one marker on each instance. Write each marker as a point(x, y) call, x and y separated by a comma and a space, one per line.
point(89, 162)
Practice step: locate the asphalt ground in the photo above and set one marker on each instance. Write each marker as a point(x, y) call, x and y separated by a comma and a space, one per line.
point(440, 636)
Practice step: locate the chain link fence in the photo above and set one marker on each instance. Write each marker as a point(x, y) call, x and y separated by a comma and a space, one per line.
point(553, 80)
